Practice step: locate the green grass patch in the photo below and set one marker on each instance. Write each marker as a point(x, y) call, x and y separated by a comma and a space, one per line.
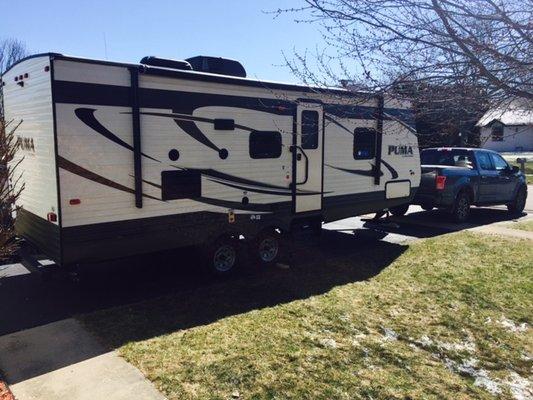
point(523, 226)
point(443, 318)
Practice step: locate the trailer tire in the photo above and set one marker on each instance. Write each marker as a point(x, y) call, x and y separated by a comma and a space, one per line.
point(266, 248)
point(400, 210)
point(461, 207)
point(222, 256)
point(427, 207)
point(516, 207)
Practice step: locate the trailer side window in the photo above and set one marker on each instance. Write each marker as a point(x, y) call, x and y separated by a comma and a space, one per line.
point(180, 185)
point(309, 129)
point(265, 144)
point(364, 143)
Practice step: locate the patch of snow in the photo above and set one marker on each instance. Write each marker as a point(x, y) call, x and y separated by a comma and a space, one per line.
point(389, 334)
point(330, 343)
point(521, 388)
point(511, 326)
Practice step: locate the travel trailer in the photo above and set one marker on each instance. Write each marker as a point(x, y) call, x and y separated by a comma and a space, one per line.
point(122, 159)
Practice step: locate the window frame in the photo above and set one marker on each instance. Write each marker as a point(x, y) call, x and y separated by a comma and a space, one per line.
point(264, 155)
point(497, 136)
point(367, 131)
point(478, 154)
point(306, 143)
point(495, 156)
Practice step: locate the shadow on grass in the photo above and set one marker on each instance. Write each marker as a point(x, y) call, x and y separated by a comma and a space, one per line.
point(339, 259)
point(148, 296)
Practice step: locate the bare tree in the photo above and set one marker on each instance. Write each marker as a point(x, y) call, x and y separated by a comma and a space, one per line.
point(437, 41)
point(481, 49)
point(9, 179)
point(11, 51)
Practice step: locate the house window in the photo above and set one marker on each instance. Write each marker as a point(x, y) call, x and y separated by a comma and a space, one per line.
point(309, 129)
point(265, 144)
point(364, 143)
point(497, 132)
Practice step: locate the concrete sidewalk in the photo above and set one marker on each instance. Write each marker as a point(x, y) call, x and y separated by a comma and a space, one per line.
point(504, 229)
point(62, 360)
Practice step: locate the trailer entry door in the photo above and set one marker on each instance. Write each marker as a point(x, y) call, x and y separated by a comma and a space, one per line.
point(308, 158)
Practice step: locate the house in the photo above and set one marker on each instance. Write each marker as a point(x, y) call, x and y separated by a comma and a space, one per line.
point(508, 128)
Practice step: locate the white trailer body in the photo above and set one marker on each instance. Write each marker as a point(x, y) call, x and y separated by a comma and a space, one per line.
point(121, 159)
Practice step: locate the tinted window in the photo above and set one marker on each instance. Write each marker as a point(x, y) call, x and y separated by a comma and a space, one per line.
point(309, 129)
point(364, 143)
point(450, 157)
point(499, 163)
point(180, 185)
point(265, 144)
point(484, 161)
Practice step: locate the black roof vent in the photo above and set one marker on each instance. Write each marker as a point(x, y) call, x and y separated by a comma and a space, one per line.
point(166, 63)
point(217, 65)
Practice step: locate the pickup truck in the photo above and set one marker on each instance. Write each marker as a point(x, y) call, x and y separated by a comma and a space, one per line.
point(456, 178)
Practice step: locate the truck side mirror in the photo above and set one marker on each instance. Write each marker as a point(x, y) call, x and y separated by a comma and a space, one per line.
point(515, 169)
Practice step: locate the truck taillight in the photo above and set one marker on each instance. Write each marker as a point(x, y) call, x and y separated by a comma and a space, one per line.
point(52, 217)
point(440, 182)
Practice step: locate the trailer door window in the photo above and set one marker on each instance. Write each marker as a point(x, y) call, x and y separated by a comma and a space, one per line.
point(309, 129)
point(364, 143)
point(180, 185)
point(265, 144)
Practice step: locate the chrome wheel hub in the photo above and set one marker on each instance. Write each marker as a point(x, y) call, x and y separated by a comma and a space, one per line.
point(224, 258)
point(268, 249)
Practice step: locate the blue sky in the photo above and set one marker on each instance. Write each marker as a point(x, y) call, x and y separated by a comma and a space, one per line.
point(236, 29)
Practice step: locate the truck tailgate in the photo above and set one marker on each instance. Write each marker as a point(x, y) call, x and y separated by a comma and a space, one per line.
point(427, 180)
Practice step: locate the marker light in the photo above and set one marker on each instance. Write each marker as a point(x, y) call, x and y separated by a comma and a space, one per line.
point(440, 182)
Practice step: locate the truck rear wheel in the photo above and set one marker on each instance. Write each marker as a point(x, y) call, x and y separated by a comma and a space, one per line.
point(519, 202)
point(222, 256)
point(461, 208)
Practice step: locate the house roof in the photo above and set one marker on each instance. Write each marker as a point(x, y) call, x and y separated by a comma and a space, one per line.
point(515, 112)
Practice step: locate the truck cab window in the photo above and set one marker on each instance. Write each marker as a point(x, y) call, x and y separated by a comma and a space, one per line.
point(499, 163)
point(364, 143)
point(309, 129)
point(484, 161)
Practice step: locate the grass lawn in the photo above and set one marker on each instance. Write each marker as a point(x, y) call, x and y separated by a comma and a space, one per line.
point(444, 318)
point(524, 226)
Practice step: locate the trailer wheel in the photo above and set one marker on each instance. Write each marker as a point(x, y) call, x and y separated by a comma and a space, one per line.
point(427, 207)
point(222, 256)
point(266, 247)
point(400, 210)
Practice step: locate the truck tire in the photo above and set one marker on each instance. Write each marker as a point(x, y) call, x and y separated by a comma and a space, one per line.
point(400, 210)
point(461, 208)
point(266, 247)
point(516, 207)
point(221, 258)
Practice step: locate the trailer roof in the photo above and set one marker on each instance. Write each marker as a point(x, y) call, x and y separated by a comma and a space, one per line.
point(203, 76)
